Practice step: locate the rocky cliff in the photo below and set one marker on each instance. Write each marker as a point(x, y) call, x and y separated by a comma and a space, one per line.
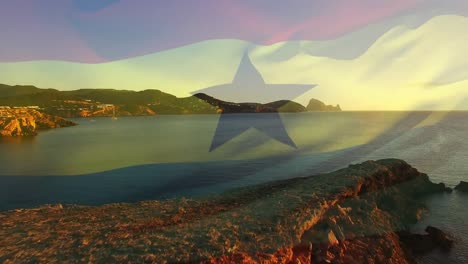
point(18, 126)
point(26, 122)
point(316, 105)
point(353, 215)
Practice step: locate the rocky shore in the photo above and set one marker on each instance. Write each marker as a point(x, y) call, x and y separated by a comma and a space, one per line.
point(27, 122)
point(359, 214)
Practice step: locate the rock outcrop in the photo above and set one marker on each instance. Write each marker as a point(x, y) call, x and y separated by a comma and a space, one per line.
point(419, 244)
point(26, 122)
point(462, 187)
point(316, 105)
point(21, 126)
point(285, 106)
point(352, 215)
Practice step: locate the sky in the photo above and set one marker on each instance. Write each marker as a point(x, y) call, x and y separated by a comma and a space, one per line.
point(181, 46)
point(97, 31)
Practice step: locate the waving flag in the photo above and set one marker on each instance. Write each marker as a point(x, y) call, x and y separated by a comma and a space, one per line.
point(361, 54)
point(223, 94)
point(372, 49)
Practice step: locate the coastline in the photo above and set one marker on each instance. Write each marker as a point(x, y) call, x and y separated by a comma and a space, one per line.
point(20, 122)
point(335, 215)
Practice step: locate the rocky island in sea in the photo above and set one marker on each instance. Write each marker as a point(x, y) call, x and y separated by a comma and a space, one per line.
point(23, 121)
point(359, 214)
point(316, 105)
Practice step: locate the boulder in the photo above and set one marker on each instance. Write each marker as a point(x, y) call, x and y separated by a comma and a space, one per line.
point(420, 244)
point(441, 239)
point(417, 244)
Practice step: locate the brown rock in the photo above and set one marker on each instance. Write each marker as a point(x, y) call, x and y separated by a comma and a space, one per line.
point(26, 122)
point(420, 244)
point(441, 239)
point(348, 216)
point(332, 238)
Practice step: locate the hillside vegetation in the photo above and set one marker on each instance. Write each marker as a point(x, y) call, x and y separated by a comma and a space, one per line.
point(107, 102)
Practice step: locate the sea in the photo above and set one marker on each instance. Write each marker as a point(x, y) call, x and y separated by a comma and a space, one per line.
point(159, 157)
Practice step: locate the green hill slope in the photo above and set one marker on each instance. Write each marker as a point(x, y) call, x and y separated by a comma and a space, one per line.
point(104, 102)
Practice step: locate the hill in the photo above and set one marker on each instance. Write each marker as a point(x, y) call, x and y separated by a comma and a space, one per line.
point(284, 106)
point(104, 102)
point(316, 105)
point(7, 91)
point(101, 102)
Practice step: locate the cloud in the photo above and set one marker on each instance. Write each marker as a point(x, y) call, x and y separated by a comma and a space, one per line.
point(98, 31)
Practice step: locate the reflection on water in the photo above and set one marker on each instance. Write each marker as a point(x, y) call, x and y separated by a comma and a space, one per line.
point(17, 140)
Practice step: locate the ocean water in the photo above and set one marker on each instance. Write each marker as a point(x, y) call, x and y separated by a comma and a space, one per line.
point(133, 159)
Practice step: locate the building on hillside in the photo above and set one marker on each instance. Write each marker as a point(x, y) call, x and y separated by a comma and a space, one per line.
point(105, 106)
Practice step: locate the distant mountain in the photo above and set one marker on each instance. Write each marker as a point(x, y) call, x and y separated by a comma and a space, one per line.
point(104, 102)
point(316, 105)
point(7, 91)
point(22, 95)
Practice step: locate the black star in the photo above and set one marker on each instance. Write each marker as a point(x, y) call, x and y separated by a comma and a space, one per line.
point(249, 86)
